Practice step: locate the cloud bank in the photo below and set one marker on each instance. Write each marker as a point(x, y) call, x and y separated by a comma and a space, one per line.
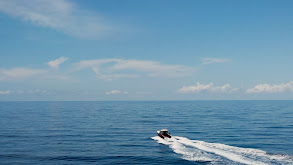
point(35, 91)
point(210, 88)
point(60, 15)
point(266, 88)
point(19, 73)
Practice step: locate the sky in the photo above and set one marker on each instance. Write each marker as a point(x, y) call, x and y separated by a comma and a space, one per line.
point(69, 50)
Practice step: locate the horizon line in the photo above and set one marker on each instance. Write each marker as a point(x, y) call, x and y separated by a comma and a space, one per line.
point(138, 100)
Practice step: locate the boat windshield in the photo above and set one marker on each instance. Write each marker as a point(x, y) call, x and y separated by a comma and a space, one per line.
point(165, 133)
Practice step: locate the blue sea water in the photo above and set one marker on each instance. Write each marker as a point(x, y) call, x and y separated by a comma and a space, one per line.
point(205, 132)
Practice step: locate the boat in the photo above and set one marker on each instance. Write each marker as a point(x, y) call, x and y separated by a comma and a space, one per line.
point(163, 133)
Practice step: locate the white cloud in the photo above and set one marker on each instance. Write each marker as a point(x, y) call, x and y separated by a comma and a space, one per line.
point(198, 88)
point(19, 73)
point(7, 92)
point(61, 15)
point(55, 64)
point(206, 61)
point(266, 88)
point(115, 92)
point(112, 68)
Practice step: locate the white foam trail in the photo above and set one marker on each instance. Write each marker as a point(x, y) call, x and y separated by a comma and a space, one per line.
point(217, 153)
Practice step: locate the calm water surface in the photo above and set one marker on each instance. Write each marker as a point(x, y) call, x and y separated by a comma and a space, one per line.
point(207, 132)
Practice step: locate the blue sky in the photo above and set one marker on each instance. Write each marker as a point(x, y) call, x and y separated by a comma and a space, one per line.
point(146, 50)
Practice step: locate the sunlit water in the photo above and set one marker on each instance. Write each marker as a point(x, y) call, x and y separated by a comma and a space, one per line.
point(204, 132)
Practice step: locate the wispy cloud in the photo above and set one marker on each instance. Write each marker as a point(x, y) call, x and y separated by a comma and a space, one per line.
point(115, 92)
point(111, 77)
point(7, 92)
point(113, 67)
point(55, 64)
point(143, 93)
point(61, 15)
point(266, 88)
point(206, 61)
point(199, 88)
point(34, 91)
point(19, 73)
point(153, 68)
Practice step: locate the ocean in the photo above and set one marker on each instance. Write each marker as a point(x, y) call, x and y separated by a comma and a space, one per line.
point(204, 132)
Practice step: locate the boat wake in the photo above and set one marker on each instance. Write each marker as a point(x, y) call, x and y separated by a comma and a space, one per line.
point(216, 153)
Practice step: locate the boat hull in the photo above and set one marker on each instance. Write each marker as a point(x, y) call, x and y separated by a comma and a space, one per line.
point(163, 136)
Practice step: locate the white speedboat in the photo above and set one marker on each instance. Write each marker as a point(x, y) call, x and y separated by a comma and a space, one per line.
point(163, 133)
